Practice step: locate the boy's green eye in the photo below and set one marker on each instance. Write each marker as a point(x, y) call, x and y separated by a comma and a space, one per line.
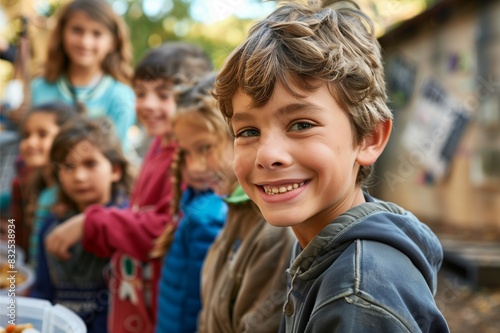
point(300, 126)
point(248, 133)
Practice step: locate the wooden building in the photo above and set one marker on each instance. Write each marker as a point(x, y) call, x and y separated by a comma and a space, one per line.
point(443, 74)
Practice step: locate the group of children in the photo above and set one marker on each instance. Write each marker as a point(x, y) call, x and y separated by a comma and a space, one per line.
point(249, 212)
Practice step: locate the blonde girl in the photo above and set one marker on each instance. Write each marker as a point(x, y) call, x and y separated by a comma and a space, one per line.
point(203, 214)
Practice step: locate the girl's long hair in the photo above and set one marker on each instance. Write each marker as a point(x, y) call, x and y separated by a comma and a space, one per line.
point(118, 63)
point(101, 134)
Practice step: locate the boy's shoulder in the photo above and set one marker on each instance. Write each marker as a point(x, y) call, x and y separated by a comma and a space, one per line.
point(375, 278)
point(367, 268)
point(372, 224)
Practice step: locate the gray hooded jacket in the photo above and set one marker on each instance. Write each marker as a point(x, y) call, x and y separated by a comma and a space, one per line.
point(372, 269)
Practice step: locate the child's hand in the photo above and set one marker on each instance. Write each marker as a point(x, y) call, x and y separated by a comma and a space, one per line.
point(65, 236)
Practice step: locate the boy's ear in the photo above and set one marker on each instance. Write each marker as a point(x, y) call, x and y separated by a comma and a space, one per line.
point(374, 143)
point(116, 173)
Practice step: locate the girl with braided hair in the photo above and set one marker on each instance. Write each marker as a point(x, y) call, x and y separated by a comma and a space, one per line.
point(203, 212)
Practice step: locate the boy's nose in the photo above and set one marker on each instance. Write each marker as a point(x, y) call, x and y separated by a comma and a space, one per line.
point(272, 153)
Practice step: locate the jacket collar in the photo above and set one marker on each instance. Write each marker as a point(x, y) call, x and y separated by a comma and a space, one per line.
point(238, 196)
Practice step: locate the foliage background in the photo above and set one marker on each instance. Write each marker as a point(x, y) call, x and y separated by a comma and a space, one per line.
point(216, 25)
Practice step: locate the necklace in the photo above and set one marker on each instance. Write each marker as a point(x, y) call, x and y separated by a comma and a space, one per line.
point(91, 87)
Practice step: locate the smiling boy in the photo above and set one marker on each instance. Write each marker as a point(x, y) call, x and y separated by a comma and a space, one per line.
point(305, 98)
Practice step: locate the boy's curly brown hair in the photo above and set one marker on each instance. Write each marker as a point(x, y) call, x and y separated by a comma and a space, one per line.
point(308, 45)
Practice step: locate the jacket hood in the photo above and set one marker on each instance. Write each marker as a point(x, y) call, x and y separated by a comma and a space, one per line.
point(376, 221)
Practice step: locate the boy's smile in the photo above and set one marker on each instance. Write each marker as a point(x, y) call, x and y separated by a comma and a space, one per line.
point(284, 187)
point(296, 158)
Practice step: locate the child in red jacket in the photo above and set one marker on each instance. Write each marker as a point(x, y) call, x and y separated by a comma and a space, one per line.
point(127, 236)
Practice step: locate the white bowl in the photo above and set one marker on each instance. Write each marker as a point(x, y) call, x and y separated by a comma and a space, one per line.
point(44, 317)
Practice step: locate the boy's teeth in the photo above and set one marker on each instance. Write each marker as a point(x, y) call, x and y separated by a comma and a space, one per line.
point(282, 189)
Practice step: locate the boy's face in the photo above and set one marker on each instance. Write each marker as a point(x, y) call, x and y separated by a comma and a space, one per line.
point(295, 157)
point(155, 106)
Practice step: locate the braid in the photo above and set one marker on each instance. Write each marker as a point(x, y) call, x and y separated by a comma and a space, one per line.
point(176, 175)
point(163, 242)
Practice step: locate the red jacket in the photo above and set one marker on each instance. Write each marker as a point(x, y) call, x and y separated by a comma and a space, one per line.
point(127, 236)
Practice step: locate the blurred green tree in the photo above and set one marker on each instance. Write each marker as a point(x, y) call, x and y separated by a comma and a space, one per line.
point(211, 25)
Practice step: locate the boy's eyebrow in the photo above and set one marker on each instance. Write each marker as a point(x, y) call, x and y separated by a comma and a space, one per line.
point(291, 108)
point(242, 116)
point(285, 110)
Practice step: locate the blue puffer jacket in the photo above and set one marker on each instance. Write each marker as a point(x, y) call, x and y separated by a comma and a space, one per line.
point(373, 269)
point(204, 214)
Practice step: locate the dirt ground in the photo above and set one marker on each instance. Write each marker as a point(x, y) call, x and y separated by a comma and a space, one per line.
point(465, 309)
point(468, 311)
